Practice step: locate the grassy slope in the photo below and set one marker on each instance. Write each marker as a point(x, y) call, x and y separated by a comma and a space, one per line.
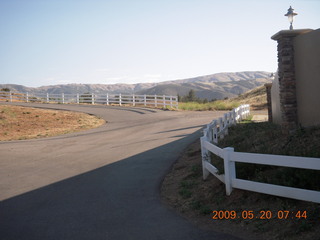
point(211, 106)
point(257, 98)
point(267, 138)
point(185, 190)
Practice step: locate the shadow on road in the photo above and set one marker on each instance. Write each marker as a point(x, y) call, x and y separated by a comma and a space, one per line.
point(118, 201)
point(179, 129)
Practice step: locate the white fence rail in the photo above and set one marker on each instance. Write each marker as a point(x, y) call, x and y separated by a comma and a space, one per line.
point(219, 128)
point(90, 98)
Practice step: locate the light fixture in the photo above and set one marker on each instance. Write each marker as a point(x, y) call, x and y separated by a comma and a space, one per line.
point(290, 14)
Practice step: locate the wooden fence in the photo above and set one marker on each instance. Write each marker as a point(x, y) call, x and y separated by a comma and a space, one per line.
point(218, 129)
point(90, 98)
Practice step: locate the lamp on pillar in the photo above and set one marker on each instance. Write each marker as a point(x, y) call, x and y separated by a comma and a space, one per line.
point(290, 14)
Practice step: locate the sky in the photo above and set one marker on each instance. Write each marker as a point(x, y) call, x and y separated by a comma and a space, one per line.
point(48, 42)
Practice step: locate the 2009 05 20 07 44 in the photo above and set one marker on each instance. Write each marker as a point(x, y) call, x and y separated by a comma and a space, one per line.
point(263, 214)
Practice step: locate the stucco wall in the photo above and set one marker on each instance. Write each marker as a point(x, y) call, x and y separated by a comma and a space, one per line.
point(275, 100)
point(307, 71)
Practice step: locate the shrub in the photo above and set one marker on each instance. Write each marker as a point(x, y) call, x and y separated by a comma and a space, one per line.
point(266, 138)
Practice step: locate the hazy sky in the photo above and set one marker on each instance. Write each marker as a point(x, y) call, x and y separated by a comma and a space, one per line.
point(47, 42)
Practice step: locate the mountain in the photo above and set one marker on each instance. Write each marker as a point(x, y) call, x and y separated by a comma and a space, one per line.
point(210, 90)
point(227, 77)
point(214, 86)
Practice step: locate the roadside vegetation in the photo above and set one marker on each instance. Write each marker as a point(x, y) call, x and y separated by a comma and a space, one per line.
point(267, 138)
point(19, 123)
point(257, 99)
point(191, 102)
point(184, 189)
point(210, 106)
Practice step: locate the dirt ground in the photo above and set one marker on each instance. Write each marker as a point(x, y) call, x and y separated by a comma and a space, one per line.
point(19, 123)
point(184, 190)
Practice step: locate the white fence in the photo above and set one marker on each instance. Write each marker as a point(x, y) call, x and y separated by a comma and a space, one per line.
point(219, 128)
point(90, 98)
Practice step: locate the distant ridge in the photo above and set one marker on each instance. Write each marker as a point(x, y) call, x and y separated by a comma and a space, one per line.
point(214, 86)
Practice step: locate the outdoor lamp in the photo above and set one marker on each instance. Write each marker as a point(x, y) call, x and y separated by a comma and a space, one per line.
point(290, 14)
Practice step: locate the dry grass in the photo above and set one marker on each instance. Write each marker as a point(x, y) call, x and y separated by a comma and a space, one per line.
point(19, 123)
point(257, 98)
point(219, 105)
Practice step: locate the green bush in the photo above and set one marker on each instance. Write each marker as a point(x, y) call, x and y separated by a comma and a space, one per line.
point(267, 138)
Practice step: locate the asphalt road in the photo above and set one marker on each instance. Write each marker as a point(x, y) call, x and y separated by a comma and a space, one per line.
point(99, 184)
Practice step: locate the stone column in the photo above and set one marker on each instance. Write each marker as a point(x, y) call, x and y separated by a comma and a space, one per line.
point(269, 103)
point(287, 81)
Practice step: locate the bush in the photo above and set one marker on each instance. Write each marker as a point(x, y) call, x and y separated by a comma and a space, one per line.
point(266, 138)
point(5, 90)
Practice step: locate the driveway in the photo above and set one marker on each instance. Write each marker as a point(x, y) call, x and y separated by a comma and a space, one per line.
point(99, 184)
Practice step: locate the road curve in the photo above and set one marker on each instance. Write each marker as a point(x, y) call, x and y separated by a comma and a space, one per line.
point(98, 184)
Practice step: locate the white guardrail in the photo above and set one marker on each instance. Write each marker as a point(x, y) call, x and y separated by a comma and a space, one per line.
point(90, 98)
point(218, 129)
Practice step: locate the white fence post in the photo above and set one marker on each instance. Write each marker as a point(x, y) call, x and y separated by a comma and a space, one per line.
point(229, 169)
point(92, 98)
point(226, 124)
point(164, 101)
point(155, 100)
point(177, 102)
point(219, 122)
point(62, 98)
point(133, 100)
point(171, 101)
point(107, 99)
point(47, 97)
point(27, 96)
point(215, 133)
point(209, 133)
point(233, 114)
point(78, 98)
point(248, 110)
point(145, 100)
point(204, 156)
point(120, 100)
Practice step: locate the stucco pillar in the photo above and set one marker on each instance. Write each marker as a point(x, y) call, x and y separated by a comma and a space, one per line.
point(287, 79)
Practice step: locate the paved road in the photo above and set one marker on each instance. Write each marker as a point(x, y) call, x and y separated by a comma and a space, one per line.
point(99, 184)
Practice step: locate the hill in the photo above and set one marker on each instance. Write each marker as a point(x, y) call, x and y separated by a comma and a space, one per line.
point(214, 86)
point(257, 98)
point(207, 90)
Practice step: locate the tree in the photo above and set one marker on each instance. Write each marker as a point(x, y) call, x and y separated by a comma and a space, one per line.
point(191, 97)
point(5, 90)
